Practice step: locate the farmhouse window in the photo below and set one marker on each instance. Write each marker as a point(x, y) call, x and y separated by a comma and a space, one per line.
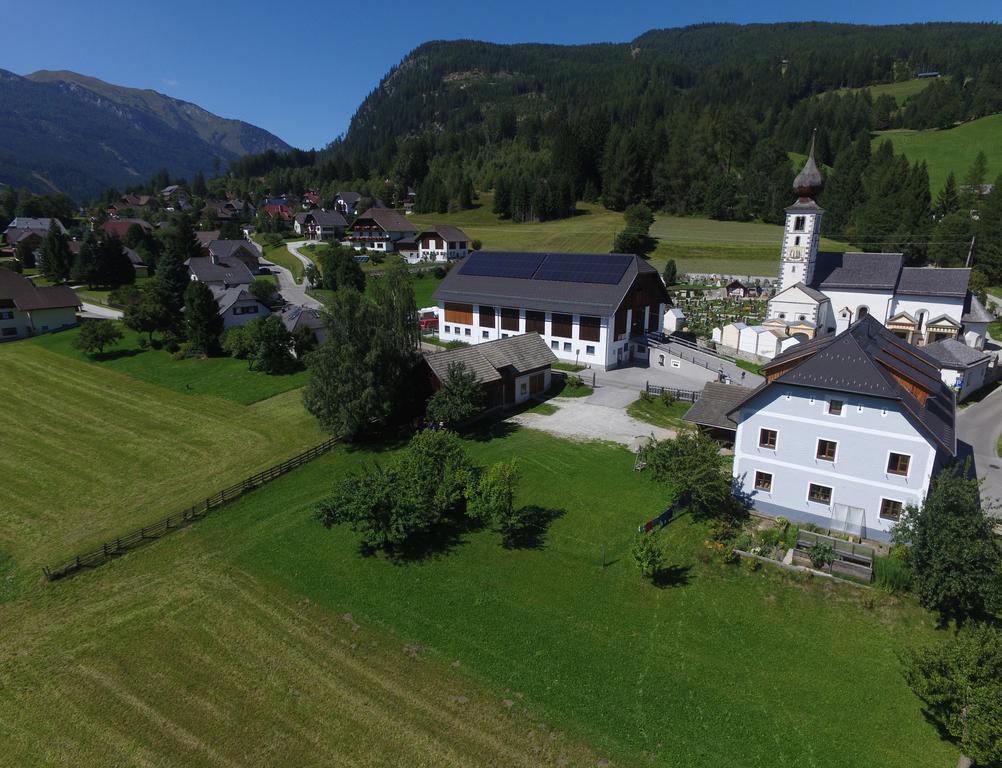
point(835, 407)
point(821, 494)
point(767, 438)
point(509, 319)
point(826, 450)
point(535, 321)
point(486, 316)
point(890, 509)
point(763, 481)
point(590, 328)
point(898, 463)
point(560, 325)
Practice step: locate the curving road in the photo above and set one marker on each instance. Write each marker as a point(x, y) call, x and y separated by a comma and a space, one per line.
point(291, 291)
point(978, 429)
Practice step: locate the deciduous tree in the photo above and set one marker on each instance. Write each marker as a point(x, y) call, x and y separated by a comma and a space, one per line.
point(691, 465)
point(95, 335)
point(459, 397)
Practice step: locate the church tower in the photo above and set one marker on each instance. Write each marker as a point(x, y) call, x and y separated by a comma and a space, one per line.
point(803, 227)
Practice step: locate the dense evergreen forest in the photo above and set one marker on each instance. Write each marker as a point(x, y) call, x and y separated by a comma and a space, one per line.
point(697, 120)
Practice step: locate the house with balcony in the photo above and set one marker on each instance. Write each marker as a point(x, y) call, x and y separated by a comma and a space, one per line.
point(441, 243)
point(590, 309)
point(846, 432)
point(320, 225)
point(380, 229)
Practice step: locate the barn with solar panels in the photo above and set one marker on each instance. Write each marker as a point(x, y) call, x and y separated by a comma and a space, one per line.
point(591, 309)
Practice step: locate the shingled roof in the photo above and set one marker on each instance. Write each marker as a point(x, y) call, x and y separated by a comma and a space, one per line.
point(951, 353)
point(867, 359)
point(714, 406)
point(867, 271)
point(933, 281)
point(26, 296)
point(532, 292)
point(387, 219)
point(522, 353)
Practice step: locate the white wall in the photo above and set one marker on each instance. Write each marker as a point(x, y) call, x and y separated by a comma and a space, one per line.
point(877, 302)
point(866, 432)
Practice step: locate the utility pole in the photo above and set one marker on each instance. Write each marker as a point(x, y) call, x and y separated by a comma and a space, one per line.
point(970, 251)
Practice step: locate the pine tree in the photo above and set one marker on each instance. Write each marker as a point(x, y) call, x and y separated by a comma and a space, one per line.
point(201, 317)
point(948, 199)
point(55, 254)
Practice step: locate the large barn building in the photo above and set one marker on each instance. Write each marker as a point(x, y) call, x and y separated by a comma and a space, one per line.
point(590, 309)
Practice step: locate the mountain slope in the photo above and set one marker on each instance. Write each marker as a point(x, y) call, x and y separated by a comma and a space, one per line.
point(79, 135)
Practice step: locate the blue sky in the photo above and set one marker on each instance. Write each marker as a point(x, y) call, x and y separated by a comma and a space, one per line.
point(301, 69)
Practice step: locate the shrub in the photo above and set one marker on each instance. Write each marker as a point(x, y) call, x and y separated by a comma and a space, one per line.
point(648, 554)
point(790, 537)
point(722, 529)
point(667, 398)
point(893, 573)
point(770, 537)
point(182, 351)
point(646, 396)
point(743, 542)
point(438, 272)
point(752, 564)
point(574, 381)
point(476, 245)
point(822, 555)
point(730, 557)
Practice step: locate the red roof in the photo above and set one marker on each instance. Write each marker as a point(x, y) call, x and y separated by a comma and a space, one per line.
point(121, 226)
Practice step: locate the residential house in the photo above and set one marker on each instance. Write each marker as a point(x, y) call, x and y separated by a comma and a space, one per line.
point(296, 318)
point(237, 305)
point(962, 368)
point(510, 370)
point(593, 309)
point(27, 310)
point(204, 237)
point(227, 251)
point(277, 210)
point(347, 202)
point(846, 431)
point(120, 227)
point(141, 267)
point(379, 229)
point(442, 243)
point(30, 230)
point(219, 272)
point(320, 225)
point(312, 199)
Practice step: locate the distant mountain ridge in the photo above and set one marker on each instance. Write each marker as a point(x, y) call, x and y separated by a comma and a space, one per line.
point(62, 131)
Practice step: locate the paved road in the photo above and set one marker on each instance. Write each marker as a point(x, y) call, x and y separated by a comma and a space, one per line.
point(100, 312)
point(294, 248)
point(978, 428)
point(293, 292)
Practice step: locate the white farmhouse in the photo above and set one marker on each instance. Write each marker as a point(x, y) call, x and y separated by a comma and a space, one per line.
point(846, 432)
point(591, 309)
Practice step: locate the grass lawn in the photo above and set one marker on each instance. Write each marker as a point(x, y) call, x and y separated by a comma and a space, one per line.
point(657, 413)
point(561, 388)
point(748, 366)
point(953, 149)
point(424, 286)
point(282, 256)
point(696, 244)
point(224, 377)
point(102, 450)
point(543, 409)
point(995, 329)
point(900, 90)
point(257, 633)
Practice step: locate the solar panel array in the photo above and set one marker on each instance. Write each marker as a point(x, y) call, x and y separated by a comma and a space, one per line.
point(603, 268)
point(581, 268)
point(519, 265)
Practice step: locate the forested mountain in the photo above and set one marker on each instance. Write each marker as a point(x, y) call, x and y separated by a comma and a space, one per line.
point(60, 131)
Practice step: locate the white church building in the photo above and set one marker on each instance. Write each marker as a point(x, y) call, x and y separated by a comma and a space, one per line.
point(823, 293)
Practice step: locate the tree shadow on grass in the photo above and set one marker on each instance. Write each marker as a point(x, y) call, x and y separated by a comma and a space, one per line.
point(486, 431)
point(672, 576)
point(115, 354)
point(537, 521)
point(439, 541)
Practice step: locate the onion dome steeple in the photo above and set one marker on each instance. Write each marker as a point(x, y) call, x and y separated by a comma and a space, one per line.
point(809, 181)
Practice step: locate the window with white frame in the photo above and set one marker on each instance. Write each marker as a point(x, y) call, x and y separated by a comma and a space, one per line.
point(826, 450)
point(763, 481)
point(898, 463)
point(767, 438)
point(890, 509)
point(819, 494)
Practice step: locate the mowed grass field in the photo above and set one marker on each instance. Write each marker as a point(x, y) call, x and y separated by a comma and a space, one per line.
point(953, 149)
point(235, 643)
point(96, 449)
point(696, 244)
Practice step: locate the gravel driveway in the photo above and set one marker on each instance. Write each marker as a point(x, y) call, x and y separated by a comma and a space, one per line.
point(578, 417)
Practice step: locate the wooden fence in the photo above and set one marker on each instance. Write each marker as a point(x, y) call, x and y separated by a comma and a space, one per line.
point(686, 395)
point(130, 541)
